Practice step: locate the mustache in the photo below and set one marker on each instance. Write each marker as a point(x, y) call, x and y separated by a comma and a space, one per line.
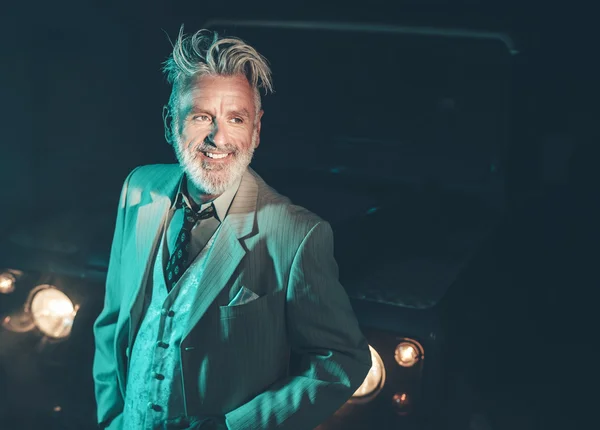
point(208, 148)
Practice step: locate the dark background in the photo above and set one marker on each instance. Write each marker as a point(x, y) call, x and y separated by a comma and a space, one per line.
point(82, 93)
point(82, 89)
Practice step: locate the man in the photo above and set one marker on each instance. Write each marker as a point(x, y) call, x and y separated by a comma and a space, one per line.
point(223, 307)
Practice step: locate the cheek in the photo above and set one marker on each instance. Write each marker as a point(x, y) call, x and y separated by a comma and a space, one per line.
point(244, 140)
point(192, 136)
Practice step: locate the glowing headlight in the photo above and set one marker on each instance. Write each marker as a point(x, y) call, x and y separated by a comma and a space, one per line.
point(373, 382)
point(53, 312)
point(408, 353)
point(7, 283)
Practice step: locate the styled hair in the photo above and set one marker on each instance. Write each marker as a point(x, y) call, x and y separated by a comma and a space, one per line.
point(206, 53)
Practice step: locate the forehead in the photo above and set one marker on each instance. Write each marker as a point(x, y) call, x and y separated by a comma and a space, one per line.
point(218, 91)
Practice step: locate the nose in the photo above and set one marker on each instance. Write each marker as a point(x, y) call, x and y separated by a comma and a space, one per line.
point(216, 137)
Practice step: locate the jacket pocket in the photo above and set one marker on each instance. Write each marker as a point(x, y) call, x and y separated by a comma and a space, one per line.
point(253, 307)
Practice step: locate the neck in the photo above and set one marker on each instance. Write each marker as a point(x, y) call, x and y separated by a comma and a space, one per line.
point(197, 195)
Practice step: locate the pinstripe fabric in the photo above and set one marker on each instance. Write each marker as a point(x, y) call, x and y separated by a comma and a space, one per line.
point(286, 360)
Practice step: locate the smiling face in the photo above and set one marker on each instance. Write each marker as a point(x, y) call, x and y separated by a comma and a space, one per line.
point(216, 131)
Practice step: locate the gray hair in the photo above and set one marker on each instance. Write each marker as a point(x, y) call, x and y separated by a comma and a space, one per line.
point(206, 53)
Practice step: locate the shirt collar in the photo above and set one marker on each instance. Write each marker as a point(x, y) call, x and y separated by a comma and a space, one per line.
point(221, 203)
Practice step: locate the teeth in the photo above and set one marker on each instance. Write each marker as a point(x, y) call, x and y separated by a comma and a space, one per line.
point(211, 155)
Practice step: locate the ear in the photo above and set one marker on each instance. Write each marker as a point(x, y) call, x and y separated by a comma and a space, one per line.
point(257, 128)
point(168, 124)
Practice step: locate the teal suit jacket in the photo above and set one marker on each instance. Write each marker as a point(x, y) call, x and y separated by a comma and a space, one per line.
point(287, 360)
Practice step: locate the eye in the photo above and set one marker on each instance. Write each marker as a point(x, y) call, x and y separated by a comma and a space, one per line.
point(202, 118)
point(237, 120)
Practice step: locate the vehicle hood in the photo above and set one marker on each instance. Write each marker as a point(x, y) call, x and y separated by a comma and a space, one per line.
point(400, 244)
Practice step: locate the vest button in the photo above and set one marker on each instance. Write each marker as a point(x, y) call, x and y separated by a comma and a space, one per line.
point(165, 312)
point(158, 376)
point(162, 344)
point(154, 407)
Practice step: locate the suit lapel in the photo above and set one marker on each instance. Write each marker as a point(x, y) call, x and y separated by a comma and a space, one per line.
point(148, 229)
point(227, 250)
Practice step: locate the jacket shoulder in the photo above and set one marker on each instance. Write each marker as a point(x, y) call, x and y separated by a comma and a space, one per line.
point(277, 214)
point(153, 174)
point(149, 179)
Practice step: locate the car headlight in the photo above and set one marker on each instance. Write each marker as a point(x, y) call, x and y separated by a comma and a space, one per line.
point(7, 282)
point(53, 312)
point(408, 353)
point(374, 381)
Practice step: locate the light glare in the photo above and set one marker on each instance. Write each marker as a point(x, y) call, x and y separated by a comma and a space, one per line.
point(402, 403)
point(53, 312)
point(407, 354)
point(7, 283)
point(60, 307)
point(374, 381)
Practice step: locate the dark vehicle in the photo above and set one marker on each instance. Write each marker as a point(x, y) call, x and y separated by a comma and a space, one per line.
point(395, 135)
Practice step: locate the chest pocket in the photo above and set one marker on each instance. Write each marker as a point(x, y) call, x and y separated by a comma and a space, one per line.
point(259, 304)
point(253, 324)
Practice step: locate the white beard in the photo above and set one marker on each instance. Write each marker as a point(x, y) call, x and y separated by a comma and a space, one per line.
point(210, 178)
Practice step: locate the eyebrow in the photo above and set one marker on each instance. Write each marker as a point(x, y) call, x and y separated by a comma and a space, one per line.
point(240, 112)
point(243, 112)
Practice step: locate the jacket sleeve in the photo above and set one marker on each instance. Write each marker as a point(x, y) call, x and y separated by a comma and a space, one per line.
point(331, 352)
point(108, 396)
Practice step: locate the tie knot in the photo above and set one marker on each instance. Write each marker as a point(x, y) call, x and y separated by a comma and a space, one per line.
point(209, 212)
point(192, 217)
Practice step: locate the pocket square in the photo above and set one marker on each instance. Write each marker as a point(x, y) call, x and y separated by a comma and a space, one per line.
point(242, 297)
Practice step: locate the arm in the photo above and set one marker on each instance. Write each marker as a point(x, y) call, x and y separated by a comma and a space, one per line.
point(331, 353)
point(108, 396)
